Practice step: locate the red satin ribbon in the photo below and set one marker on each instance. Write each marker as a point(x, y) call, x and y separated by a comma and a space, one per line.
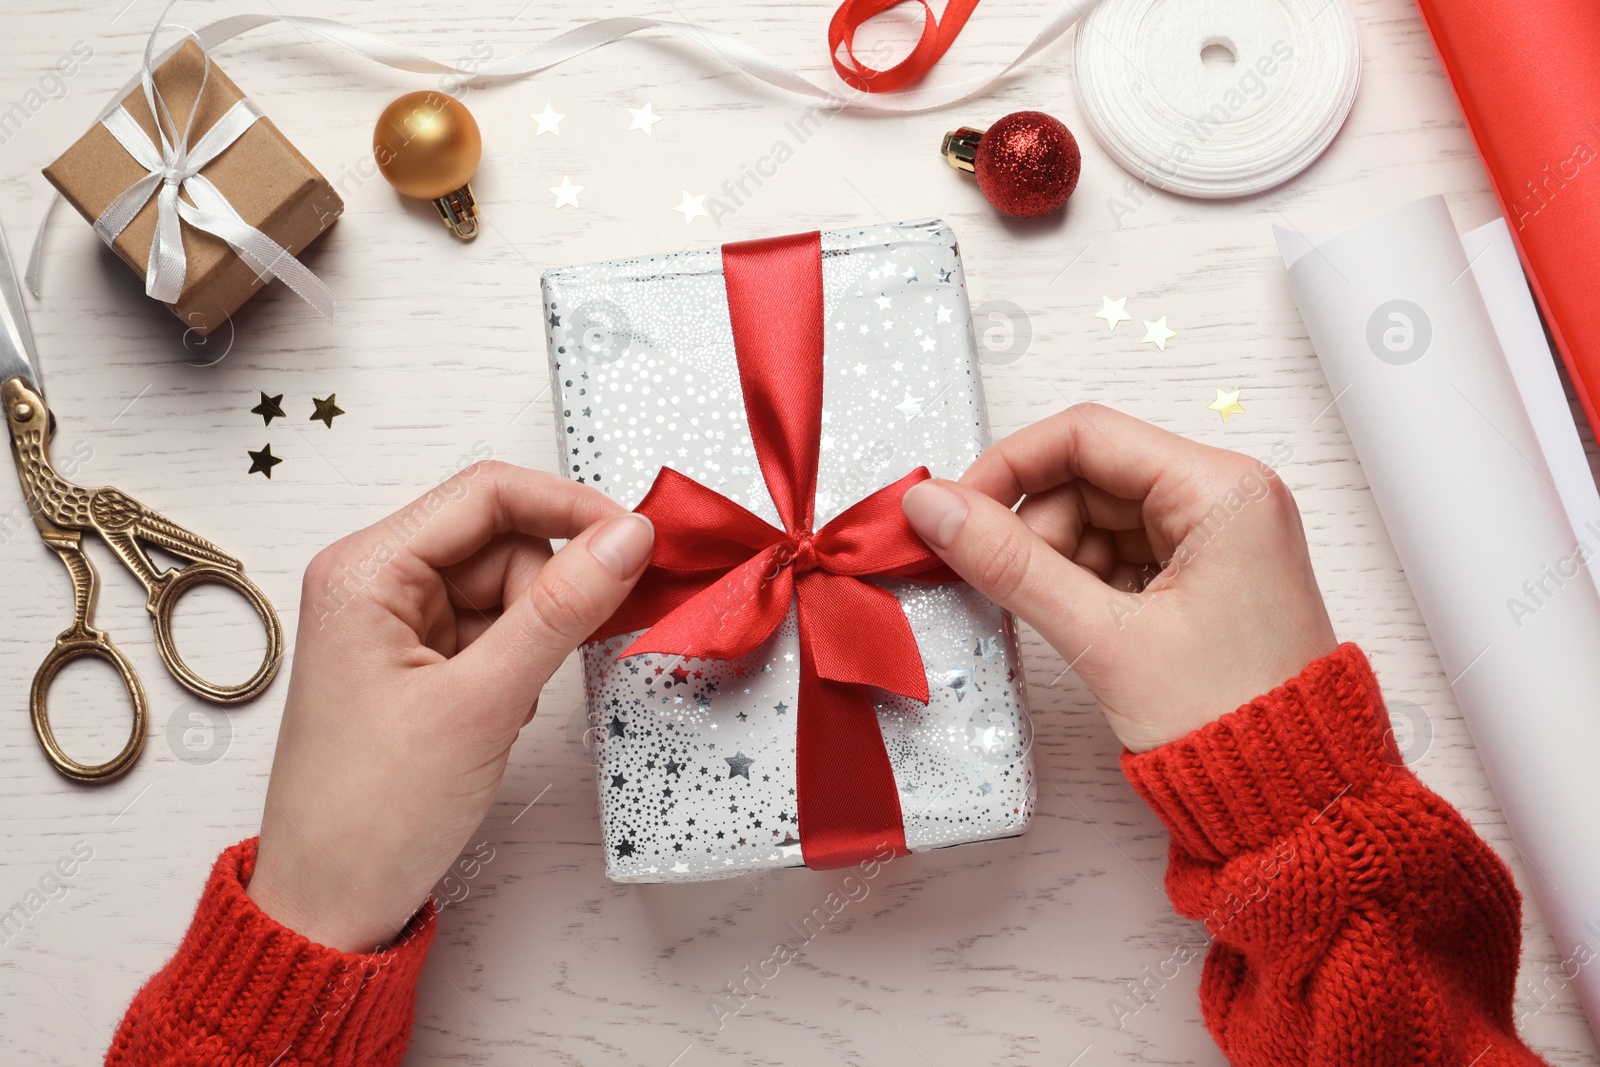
point(938, 34)
point(720, 579)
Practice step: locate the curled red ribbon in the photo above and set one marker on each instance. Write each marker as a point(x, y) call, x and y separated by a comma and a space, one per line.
point(720, 579)
point(938, 34)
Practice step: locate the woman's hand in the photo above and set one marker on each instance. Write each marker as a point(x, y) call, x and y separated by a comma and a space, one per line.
point(423, 644)
point(1172, 576)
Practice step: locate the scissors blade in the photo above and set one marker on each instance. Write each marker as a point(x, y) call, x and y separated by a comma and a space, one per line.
point(16, 340)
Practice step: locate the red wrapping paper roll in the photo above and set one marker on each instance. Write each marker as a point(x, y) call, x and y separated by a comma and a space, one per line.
point(1527, 76)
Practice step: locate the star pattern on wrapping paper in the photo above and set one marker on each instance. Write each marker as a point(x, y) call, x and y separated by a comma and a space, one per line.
point(911, 407)
point(960, 682)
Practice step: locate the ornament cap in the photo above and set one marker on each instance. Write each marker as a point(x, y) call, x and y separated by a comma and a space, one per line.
point(960, 148)
point(459, 211)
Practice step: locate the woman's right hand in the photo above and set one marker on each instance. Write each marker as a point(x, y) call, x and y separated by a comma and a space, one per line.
point(1172, 576)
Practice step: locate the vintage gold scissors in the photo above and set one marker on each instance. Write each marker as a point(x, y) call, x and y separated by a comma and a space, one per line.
point(63, 511)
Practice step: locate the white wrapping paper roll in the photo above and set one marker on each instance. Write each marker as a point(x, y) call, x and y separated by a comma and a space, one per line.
point(1437, 363)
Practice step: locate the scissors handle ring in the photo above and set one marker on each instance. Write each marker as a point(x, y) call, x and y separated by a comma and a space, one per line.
point(164, 596)
point(74, 644)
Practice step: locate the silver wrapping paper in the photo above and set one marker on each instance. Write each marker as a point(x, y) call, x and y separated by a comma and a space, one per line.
point(695, 759)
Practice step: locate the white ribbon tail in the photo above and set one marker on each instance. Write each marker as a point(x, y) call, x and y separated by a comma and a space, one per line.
point(212, 213)
point(168, 265)
point(31, 275)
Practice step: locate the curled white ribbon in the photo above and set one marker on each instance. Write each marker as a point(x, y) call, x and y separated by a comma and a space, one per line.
point(751, 61)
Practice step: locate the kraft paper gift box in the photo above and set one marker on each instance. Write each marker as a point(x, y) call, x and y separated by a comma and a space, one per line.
point(695, 759)
point(266, 179)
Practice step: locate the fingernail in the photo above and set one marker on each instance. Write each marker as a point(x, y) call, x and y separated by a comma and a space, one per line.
point(623, 545)
point(936, 513)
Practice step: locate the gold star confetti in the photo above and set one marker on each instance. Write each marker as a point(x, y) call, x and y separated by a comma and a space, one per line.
point(271, 407)
point(262, 461)
point(1226, 404)
point(326, 410)
point(566, 192)
point(1114, 311)
point(691, 206)
point(1156, 333)
point(643, 119)
point(549, 121)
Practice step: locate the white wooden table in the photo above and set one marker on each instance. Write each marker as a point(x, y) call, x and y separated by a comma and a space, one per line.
point(1004, 953)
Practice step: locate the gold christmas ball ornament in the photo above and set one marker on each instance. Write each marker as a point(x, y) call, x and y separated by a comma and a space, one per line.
point(428, 146)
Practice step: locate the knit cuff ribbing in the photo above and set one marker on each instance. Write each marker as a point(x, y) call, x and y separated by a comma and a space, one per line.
point(1253, 775)
point(243, 982)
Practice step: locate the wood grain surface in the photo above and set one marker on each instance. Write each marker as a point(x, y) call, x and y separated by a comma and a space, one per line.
point(1003, 953)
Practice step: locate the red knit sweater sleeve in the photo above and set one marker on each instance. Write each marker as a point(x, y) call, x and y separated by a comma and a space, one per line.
point(1356, 917)
point(243, 989)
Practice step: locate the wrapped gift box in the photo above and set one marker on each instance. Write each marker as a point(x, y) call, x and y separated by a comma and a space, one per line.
point(695, 758)
point(266, 179)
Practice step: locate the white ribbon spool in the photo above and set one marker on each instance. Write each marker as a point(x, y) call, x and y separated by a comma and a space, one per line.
point(1204, 130)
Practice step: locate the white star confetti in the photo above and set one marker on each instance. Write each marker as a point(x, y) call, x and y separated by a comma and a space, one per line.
point(643, 118)
point(691, 206)
point(1226, 404)
point(1156, 333)
point(566, 192)
point(1114, 311)
point(549, 122)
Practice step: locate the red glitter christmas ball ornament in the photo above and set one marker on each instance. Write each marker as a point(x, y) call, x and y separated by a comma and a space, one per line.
point(1026, 164)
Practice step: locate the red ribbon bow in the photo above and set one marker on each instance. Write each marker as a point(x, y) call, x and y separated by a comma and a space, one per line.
point(721, 579)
